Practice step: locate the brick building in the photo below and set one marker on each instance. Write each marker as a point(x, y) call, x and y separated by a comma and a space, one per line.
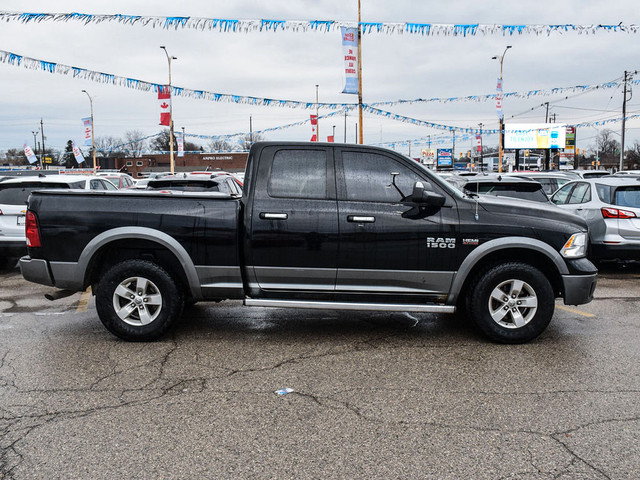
point(142, 166)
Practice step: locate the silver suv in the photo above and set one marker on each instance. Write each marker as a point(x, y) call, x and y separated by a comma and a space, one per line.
point(611, 207)
point(14, 193)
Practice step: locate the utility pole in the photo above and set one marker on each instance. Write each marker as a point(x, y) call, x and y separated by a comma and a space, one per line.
point(184, 158)
point(169, 58)
point(250, 131)
point(624, 118)
point(361, 136)
point(43, 149)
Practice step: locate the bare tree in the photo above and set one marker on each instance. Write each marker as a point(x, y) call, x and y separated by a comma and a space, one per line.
point(134, 143)
point(219, 145)
point(249, 139)
point(109, 146)
point(15, 156)
point(161, 143)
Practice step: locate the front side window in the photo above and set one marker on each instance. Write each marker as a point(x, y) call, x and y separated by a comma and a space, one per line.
point(369, 178)
point(298, 174)
point(580, 194)
point(562, 195)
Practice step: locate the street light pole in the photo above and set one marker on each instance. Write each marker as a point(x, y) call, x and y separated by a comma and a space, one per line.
point(35, 142)
point(93, 136)
point(169, 58)
point(501, 134)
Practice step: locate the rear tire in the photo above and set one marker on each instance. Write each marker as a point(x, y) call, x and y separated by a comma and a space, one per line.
point(511, 303)
point(138, 301)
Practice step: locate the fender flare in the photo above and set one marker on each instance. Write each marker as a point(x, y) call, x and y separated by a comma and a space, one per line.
point(496, 245)
point(143, 233)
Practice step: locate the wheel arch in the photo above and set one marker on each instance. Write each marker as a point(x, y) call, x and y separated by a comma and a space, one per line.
point(138, 242)
point(519, 249)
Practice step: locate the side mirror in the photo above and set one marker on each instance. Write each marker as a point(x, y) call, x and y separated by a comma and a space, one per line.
point(425, 196)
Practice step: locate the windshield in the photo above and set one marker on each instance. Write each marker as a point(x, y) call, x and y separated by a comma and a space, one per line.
point(18, 193)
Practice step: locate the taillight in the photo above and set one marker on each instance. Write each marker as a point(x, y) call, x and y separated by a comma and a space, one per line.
point(616, 213)
point(31, 230)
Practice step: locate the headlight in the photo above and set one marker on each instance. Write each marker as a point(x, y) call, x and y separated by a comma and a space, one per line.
point(576, 246)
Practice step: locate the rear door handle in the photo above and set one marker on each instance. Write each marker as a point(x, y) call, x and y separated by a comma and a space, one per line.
point(360, 219)
point(273, 216)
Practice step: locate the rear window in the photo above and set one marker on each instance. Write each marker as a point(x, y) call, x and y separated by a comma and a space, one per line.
point(523, 191)
point(627, 197)
point(18, 193)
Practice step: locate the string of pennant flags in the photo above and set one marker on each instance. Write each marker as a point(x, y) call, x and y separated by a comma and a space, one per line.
point(17, 60)
point(232, 25)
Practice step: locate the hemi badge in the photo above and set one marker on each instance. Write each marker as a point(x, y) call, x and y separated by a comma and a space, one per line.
point(470, 241)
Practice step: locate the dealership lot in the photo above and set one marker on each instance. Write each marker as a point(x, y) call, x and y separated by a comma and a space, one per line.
point(375, 395)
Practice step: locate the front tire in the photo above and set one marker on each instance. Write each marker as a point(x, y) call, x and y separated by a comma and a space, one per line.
point(511, 303)
point(138, 301)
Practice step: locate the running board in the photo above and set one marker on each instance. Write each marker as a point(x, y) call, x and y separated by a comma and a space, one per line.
point(379, 307)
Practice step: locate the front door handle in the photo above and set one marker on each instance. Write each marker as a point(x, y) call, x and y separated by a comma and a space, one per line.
point(273, 216)
point(360, 219)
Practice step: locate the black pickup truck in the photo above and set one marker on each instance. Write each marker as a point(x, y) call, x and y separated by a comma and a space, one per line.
point(325, 226)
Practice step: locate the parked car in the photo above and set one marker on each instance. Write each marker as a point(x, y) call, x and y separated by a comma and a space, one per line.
point(628, 173)
point(588, 173)
point(501, 186)
point(120, 180)
point(550, 181)
point(14, 193)
point(611, 207)
point(196, 182)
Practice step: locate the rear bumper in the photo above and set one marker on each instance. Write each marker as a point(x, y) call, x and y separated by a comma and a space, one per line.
point(623, 251)
point(13, 248)
point(36, 271)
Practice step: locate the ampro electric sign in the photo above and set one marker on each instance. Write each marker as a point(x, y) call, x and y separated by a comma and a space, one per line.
point(535, 135)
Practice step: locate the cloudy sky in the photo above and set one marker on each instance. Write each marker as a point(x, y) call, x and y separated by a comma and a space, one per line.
point(288, 65)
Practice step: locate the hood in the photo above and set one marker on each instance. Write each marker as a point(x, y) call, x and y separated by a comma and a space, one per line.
point(532, 211)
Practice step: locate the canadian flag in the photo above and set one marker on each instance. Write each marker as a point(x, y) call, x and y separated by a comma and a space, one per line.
point(314, 128)
point(164, 99)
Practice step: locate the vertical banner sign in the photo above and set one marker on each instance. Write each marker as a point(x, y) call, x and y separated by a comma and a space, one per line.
point(479, 143)
point(88, 130)
point(314, 128)
point(78, 154)
point(180, 141)
point(164, 100)
point(350, 50)
point(499, 98)
point(29, 154)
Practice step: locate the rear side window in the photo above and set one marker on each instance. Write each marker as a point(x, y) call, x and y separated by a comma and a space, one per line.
point(298, 174)
point(18, 193)
point(627, 197)
point(604, 192)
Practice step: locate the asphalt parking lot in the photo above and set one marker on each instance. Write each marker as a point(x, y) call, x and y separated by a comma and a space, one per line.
point(374, 395)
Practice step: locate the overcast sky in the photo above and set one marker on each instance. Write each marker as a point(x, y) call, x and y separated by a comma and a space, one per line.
point(288, 65)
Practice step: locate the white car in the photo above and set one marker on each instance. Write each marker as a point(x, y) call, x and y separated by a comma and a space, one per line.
point(14, 193)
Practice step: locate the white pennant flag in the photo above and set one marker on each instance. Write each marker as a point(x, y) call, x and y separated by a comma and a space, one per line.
point(78, 154)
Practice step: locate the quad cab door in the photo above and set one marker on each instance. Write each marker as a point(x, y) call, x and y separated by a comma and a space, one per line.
point(293, 240)
point(390, 245)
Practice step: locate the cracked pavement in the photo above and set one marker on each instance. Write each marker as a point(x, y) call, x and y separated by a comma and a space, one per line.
point(376, 395)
